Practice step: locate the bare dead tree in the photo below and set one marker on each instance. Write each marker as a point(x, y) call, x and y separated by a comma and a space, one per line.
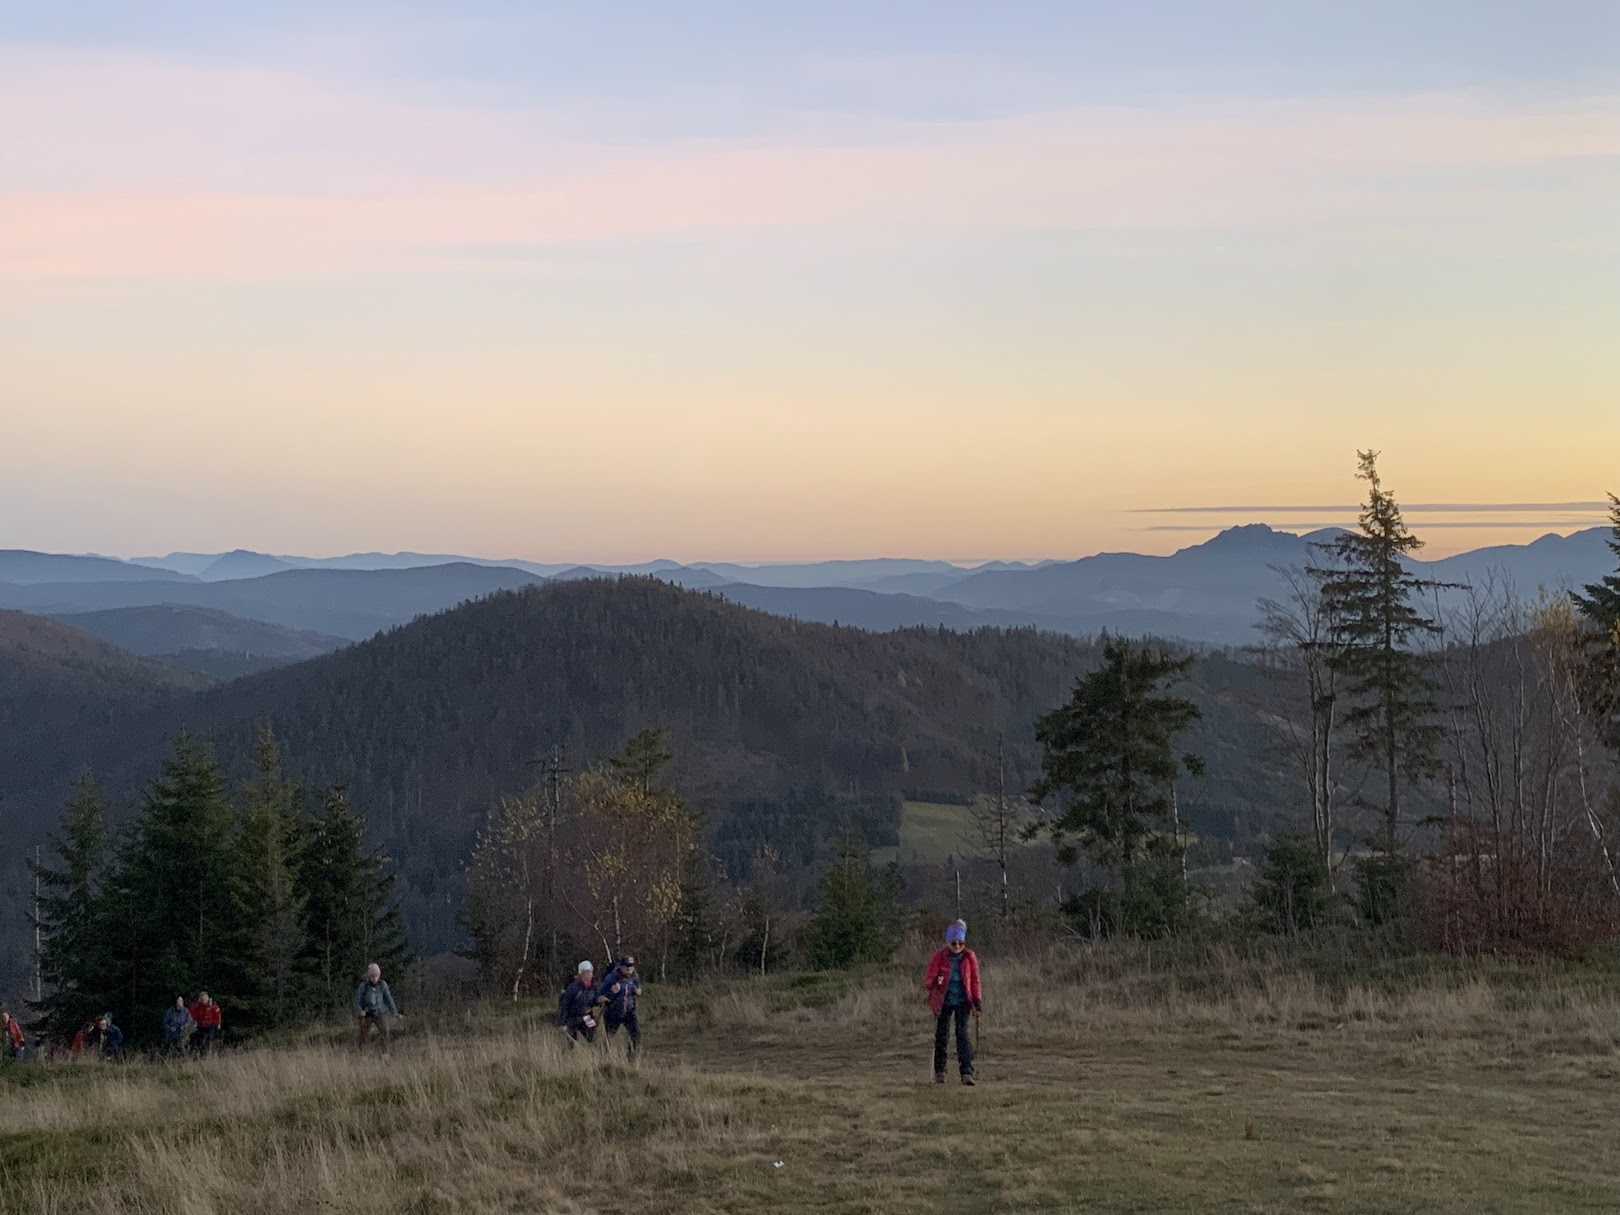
point(1301, 645)
point(1528, 860)
point(762, 896)
point(995, 828)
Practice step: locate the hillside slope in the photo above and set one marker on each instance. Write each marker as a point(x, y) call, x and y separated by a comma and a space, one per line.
point(181, 635)
point(429, 723)
point(62, 688)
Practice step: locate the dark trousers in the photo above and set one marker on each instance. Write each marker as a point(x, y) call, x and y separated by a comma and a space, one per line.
point(632, 1028)
point(578, 1031)
point(378, 1023)
point(203, 1040)
point(964, 1045)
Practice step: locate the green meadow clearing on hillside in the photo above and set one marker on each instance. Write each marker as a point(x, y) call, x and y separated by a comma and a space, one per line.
point(1110, 1082)
point(931, 833)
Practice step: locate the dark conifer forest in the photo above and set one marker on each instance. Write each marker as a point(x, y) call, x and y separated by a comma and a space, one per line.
point(783, 732)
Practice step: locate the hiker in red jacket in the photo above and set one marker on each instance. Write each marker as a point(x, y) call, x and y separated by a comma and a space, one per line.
point(11, 1036)
point(952, 983)
point(206, 1014)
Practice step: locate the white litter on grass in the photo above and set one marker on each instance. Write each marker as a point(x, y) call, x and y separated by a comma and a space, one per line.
point(779, 1164)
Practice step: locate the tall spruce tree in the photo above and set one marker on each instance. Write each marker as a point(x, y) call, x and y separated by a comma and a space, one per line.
point(1601, 603)
point(1372, 594)
point(692, 948)
point(349, 916)
point(77, 960)
point(269, 840)
point(174, 905)
point(1600, 606)
point(857, 917)
point(1110, 754)
point(644, 756)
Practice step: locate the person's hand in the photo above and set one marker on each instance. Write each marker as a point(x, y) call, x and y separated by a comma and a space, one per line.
point(978, 1007)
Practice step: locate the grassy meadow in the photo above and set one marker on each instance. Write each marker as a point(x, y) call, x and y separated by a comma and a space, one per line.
point(931, 833)
point(1111, 1080)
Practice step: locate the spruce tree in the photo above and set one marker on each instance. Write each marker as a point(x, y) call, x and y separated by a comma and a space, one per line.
point(1600, 606)
point(694, 928)
point(857, 916)
point(1601, 603)
point(270, 836)
point(643, 757)
point(77, 963)
point(349, 916)
point(173, 898)
point(1110, 753)
point(1371, 594)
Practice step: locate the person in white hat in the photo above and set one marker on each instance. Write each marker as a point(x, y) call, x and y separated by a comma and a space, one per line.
point(577, 1006)
point(374, 1008)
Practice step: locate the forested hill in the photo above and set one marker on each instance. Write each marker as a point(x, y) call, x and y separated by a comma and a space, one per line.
point(58, 683)
point(432, 721)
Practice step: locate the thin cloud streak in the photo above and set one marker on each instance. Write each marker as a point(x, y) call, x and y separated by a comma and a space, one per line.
point(1478, 508)
point(1428, 525)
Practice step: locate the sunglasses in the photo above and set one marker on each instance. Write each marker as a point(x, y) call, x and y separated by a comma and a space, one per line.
point(956, 944)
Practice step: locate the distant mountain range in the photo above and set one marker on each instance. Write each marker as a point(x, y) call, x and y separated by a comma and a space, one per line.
point(1204, 593)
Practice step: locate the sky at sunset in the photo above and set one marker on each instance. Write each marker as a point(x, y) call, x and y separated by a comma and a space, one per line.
point(768, 281)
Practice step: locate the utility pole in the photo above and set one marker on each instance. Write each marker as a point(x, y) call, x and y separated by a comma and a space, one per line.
point(39, 972)
point(554, 775)
point(1001, 819)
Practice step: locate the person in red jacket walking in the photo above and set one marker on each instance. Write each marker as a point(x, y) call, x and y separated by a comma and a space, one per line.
point(952, 984)
point(206, 1013)
point(11, 1036)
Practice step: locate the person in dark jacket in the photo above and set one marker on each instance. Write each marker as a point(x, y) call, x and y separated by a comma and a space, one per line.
point(112, 1038)
point(577, 1006)
point(178, 1026)
point(620, 987)
point(952, 984)
point(374, 1008)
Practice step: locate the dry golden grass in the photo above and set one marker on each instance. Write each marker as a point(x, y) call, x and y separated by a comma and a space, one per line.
point(1108, 1085)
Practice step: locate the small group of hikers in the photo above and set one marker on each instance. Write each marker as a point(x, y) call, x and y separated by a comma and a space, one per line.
point(98, 1036)
point(586, 1003)
point(192, 1027)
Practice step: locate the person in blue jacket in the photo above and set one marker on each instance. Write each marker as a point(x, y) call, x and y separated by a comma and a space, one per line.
point(112, 1038)
point(178, 1025)
point(374, 1009)
point(620, 987)
point(577, 1006)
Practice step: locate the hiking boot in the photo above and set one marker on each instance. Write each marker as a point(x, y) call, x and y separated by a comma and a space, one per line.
point(967, 1078)
point(939, 1077)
